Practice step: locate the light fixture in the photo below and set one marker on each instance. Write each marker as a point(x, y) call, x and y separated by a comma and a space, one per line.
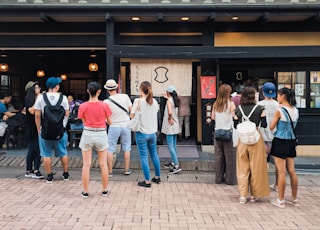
point(63, 77)
point(235, 18)
point(135, 18)
point(4, 67)
point(184, 18)
point(40, 73)
point(93, 67)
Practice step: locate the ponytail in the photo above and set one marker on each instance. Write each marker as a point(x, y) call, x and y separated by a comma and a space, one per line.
point(145, 86)
point(290, 95)
point(176, 100)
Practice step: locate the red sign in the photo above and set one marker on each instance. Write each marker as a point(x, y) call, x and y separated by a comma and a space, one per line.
point(208, 87)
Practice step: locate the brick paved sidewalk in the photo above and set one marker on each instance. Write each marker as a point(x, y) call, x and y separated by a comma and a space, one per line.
point(33, 204)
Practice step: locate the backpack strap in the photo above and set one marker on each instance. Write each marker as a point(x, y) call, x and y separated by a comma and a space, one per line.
point(45, 98)
point(254, 108)
point(251, 112)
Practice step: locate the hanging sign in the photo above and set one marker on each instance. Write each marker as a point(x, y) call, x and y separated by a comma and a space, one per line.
point(208, 87)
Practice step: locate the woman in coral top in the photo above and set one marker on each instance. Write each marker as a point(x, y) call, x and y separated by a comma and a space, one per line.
point(94, 114)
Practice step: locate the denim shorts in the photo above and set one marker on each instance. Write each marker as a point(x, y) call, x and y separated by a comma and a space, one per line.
point(114, 133)
point(58, 146)
point(97, 140)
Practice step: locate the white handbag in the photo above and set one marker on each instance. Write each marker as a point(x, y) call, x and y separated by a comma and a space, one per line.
point(134, 123)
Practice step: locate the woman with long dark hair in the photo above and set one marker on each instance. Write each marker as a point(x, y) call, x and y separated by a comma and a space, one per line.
point(33, 159)
point(146, 136)
point(225, 157)
point(170, 127)
point(283, 147)
point(94, 114)
point(252, 172)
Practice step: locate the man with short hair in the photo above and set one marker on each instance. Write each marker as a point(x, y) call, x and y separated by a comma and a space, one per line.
point(48, 146)
point(118, 128)
point(5, 99)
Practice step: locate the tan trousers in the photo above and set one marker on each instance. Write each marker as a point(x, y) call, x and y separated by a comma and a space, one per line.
point(252, 171)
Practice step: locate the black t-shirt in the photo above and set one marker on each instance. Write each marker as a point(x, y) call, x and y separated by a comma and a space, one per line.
point(255, 117)
point(31, 127)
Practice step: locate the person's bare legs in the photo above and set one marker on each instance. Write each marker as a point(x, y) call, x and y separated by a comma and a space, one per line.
point(47, 164)
point(110, 162)
point(126, 157)
point(281, 176)
point(103, 157)
point(86, 158)
point(65, 163)
point(293, 177)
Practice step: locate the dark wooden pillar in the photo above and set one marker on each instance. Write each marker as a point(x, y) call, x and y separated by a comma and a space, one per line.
point(208, 68)
point(110, 68)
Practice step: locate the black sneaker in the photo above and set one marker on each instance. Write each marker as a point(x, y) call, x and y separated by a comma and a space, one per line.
point(50, 178)
point(37, 175)
point(175, 169)
point(65, 176)
point(168, 165)
point(105, 193)
point(84, 195)
point(156, 180)
point(144, 184)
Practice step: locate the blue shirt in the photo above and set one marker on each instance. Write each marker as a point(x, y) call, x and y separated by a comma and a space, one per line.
point(3, 109)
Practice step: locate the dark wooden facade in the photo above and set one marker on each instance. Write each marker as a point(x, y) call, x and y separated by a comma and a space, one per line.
point(160, 34)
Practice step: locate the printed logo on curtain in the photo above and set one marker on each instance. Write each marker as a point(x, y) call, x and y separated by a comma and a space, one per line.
point(161, 73)
point(208, 87)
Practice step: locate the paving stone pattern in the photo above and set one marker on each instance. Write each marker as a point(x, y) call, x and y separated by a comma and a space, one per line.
point(33, 204)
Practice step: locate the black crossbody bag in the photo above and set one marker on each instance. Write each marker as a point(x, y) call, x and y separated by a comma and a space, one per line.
point(121, 107)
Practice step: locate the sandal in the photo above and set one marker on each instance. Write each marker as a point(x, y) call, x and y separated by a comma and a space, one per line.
point(254, 199)
point(278, 203)
point(242, 200)
point(294, 202)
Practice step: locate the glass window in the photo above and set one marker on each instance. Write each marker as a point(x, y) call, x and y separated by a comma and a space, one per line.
point(315, 89)
point(296, 81)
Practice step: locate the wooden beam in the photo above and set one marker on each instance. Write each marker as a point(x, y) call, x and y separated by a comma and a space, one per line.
point(213, 52)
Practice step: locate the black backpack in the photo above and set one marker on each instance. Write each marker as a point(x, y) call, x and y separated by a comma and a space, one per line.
point(52, 120)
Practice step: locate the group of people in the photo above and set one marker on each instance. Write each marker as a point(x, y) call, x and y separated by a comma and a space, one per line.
point(246, 165)
point(235, 162)
point(95, 114)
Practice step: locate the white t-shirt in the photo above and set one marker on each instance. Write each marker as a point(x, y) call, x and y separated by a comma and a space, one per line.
point(53, 98)
point(270, 108)
point(119, 118)
point(149, 117)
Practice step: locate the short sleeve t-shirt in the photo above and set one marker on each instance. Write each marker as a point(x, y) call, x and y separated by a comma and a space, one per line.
point(119, 117)
point(270, 108)
point(3, 109)
point(94, 114)
point(53, 98)
point(149, 117)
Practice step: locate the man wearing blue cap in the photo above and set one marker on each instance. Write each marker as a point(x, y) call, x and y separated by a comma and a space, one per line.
point(270, 105)
point(47, 146)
